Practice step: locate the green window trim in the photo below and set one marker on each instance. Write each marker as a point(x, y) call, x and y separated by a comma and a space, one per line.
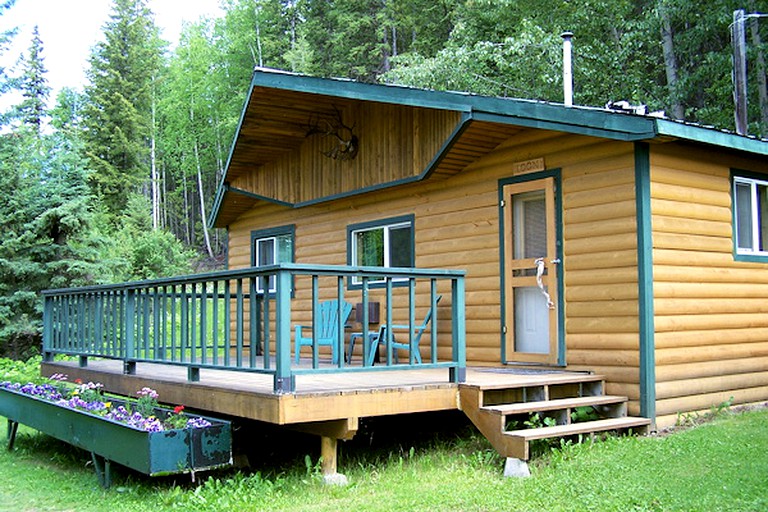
point(749, 199)
point(271, 246)
point(388, 243)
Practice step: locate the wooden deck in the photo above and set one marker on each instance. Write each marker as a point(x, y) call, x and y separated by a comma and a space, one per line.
point(331, 405)
point(317, 398)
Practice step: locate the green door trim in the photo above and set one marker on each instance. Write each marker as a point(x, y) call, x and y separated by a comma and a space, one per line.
point(556, 174)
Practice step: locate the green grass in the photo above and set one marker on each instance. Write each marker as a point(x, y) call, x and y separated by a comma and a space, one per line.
point(720, 465)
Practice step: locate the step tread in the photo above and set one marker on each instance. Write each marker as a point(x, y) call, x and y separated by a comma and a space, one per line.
point(585, 427)
point(551, 405)
point(525, 381)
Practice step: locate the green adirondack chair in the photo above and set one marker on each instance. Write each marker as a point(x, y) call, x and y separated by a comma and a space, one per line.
point(404, 345)
point(328, 327)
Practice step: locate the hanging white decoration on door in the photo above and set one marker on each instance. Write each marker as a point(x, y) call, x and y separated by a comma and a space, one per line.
point(540, 266)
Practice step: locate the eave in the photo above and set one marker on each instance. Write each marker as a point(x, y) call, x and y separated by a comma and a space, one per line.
point(274, 122)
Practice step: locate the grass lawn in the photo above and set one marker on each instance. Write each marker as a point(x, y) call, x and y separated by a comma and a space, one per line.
point(720, 465)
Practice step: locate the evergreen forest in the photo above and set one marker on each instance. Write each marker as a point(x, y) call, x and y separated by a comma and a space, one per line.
point(115, 181)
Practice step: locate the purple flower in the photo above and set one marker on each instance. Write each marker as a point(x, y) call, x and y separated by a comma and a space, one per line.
point(198, 423)
point(147, 392)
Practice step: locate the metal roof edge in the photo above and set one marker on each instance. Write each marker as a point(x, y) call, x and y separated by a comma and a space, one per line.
point(711, 136)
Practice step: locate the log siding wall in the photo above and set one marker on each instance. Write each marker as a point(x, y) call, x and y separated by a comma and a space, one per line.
point(711, 326)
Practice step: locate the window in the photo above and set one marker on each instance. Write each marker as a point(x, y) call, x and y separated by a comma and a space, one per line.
point(270, 247)
point(386, 243)
point(750, 205)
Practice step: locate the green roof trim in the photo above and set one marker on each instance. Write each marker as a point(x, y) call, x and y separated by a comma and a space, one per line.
point(711, 136)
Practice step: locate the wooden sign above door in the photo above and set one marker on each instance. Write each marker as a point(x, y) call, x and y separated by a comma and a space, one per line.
point(534, 165)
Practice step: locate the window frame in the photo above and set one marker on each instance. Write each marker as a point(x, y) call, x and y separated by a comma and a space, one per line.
point(273, 233)
point(752, 179)
point(385, 224)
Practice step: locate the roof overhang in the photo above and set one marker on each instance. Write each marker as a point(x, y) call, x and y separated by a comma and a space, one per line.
point(278, 103)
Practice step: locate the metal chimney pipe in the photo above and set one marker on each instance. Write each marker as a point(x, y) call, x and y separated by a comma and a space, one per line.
point(567, 69)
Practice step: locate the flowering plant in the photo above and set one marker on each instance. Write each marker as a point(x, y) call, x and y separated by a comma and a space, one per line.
point(88, 397)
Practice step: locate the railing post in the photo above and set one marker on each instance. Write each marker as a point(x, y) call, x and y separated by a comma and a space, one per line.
point(458, 331)
point(48, 328)
point(285, 381)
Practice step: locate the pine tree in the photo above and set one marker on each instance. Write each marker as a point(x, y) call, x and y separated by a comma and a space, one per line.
point(118, 115)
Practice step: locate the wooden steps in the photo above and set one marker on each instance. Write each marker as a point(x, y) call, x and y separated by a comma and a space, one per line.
point(552, 405)
point(546, 406)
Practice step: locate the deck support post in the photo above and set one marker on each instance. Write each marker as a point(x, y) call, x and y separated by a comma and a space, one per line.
point(329, 459)
point(129, 367)
point(516, 468)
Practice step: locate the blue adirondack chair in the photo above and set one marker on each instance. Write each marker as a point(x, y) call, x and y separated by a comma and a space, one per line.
point(418, 332)
point(328, 327)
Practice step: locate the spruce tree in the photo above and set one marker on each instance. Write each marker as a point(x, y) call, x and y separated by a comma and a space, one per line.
point(34, 87)
point(118, 114)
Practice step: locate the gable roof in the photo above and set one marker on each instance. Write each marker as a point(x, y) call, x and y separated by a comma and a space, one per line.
point(279, 103)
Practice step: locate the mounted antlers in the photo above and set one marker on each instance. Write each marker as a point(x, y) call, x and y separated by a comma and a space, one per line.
point(347, 145)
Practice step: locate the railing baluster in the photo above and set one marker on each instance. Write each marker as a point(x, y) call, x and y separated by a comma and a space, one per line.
point(204, 323)
point(193, 324)
point(340, 318)
point(390, 320)
point(239, 320)
point(315, 320)
point(174, 356)
point(184, 327)
point(266, 328)
point(144, 294)
point(433, 312)
point(157, 351)
point(253, 342)
point(163, 319)
point(227, 322)
point(412, 321)
point(215, 321)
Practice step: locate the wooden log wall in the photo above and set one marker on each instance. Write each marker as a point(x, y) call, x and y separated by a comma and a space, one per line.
point(600, 261)
point(711, 322)
point(457, 226)
point(711, 325)
point(395, 143)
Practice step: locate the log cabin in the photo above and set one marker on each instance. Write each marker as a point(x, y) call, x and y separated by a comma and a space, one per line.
point(538, 241)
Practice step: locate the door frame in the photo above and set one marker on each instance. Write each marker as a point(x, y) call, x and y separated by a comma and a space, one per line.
point(508, 358)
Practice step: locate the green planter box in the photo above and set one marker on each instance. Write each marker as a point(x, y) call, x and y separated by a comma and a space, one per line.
point(152, 453)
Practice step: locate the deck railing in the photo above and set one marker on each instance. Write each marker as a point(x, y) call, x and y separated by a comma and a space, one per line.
point(243, 320)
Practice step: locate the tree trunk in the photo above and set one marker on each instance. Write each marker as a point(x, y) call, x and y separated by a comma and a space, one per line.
point(155, 178)
point(189, 214)
point(200, 193)
point(670, 65)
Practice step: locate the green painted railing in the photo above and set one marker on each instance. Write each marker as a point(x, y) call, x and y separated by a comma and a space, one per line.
point(244, 320)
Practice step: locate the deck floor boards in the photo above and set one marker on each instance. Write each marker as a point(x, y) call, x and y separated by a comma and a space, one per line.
point(318, 397)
